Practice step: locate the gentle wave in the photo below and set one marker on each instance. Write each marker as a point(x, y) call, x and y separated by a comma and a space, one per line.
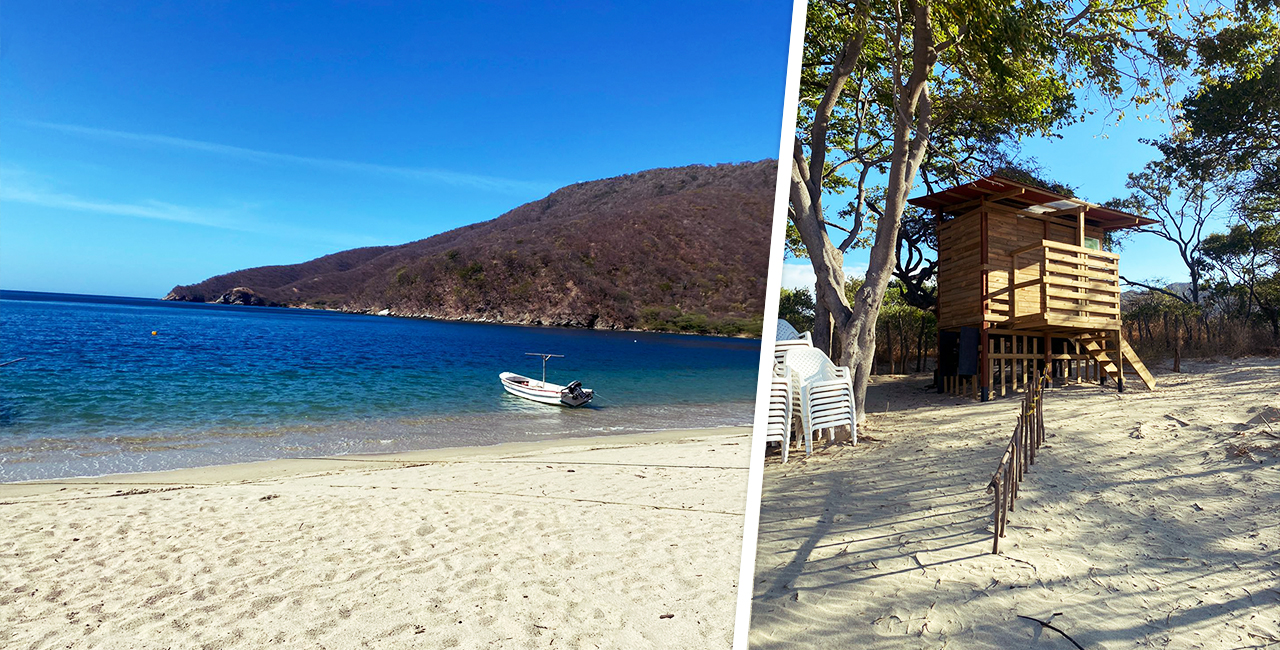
point(64, 457)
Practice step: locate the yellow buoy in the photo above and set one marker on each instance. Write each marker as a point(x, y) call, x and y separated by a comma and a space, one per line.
point(153, 332)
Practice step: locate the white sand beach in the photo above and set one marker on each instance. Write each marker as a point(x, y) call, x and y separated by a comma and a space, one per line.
point(1150, 519)
point(617, 542)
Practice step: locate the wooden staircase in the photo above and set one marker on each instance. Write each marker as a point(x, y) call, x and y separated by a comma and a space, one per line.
point(1102, 347)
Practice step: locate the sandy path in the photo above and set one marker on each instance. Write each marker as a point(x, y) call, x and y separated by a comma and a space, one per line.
point(1139, 524)
point(579, 544)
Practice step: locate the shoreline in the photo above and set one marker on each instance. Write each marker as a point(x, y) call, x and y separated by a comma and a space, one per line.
point(371, 312)
point(268, 469)
point(387, 313)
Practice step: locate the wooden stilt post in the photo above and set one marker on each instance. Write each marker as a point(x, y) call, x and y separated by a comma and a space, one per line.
point(1115, 337)
point(1048, 354)
point(984, 363)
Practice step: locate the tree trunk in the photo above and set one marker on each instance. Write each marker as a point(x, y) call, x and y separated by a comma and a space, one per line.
point(1177, 353)
point(904, 350)
point(920, 347)
point(822, 328)
point(889, 348)
point(854, 322)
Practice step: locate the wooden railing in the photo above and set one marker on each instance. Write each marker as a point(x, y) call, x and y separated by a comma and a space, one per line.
point(1072, 283)
point(1020, 454)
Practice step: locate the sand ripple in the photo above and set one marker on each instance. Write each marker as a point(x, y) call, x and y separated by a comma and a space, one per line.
point(1141, 523)
point(574, 546)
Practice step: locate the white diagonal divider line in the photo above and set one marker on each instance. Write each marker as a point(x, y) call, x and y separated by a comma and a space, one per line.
point(755, 477)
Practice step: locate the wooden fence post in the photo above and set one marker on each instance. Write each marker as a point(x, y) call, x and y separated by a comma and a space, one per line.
point(1028, 435)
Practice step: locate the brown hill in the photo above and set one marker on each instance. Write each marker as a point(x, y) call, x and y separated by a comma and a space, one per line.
point(678, 249)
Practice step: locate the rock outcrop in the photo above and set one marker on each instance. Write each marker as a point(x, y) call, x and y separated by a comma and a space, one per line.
point(241, 296)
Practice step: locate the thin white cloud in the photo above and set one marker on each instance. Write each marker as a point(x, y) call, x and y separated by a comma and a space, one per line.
point(238, 220)
point(156, 210)
point(473, 181)
point(799, 274)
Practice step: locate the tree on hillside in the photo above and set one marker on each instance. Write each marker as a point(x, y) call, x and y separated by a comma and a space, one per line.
point(889, 88)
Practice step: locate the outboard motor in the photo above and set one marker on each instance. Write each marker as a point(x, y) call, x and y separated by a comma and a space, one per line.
point(575, 389)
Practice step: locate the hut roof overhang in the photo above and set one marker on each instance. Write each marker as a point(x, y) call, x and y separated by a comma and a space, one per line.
point(1025, 198)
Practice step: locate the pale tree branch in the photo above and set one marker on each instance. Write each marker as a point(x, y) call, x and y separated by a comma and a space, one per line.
point(1148, 287)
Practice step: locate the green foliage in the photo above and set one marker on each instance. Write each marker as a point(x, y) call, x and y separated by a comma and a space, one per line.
point(1003, 71)
point(892, 91)
point(404, 278)
point(1250, 250)
point(902, 328)
point(1230, 121)
point(674, 320)
point(851, 287)
point(1240, 299)
point(792, 246)
point(796, 307)
point(1247, 261)
point(472, 273)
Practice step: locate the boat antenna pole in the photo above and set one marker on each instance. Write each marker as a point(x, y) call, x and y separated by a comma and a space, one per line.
point(544, 362)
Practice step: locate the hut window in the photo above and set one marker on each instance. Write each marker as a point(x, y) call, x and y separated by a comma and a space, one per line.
point(1091, 243)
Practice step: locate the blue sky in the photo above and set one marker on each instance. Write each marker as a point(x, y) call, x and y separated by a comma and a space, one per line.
point(1094, 157)
point(154, 144)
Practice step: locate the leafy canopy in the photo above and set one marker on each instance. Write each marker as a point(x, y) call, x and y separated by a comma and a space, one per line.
point(1000, 71)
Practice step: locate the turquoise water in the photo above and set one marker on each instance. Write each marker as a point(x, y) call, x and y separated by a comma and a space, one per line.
point(216, 384)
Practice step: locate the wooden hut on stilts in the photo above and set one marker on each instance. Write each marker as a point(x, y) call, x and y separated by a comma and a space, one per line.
point(1023, 284)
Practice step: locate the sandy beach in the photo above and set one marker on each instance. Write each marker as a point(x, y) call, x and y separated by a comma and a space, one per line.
point(618, 542)
point(1148, 520)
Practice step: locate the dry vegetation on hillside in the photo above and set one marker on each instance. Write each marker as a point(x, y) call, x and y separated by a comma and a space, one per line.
point(679, 249)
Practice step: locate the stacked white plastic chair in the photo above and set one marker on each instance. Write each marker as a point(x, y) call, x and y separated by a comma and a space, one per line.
point(826, 393)
point(780, 348)
point(786, 331)
point(784, 393)
point(778, 428)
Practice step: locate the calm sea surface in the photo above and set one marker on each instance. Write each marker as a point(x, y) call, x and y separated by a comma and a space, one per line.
point(216, 384)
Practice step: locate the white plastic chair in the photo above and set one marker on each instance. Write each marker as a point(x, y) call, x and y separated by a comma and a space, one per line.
point(786, 332)
point(826, 393)
point(780, 347)
point(778, 428)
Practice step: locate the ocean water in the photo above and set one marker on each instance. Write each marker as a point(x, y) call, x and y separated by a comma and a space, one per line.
point(98, 393)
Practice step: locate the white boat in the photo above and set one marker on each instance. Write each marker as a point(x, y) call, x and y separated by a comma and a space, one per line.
point(541, 391)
